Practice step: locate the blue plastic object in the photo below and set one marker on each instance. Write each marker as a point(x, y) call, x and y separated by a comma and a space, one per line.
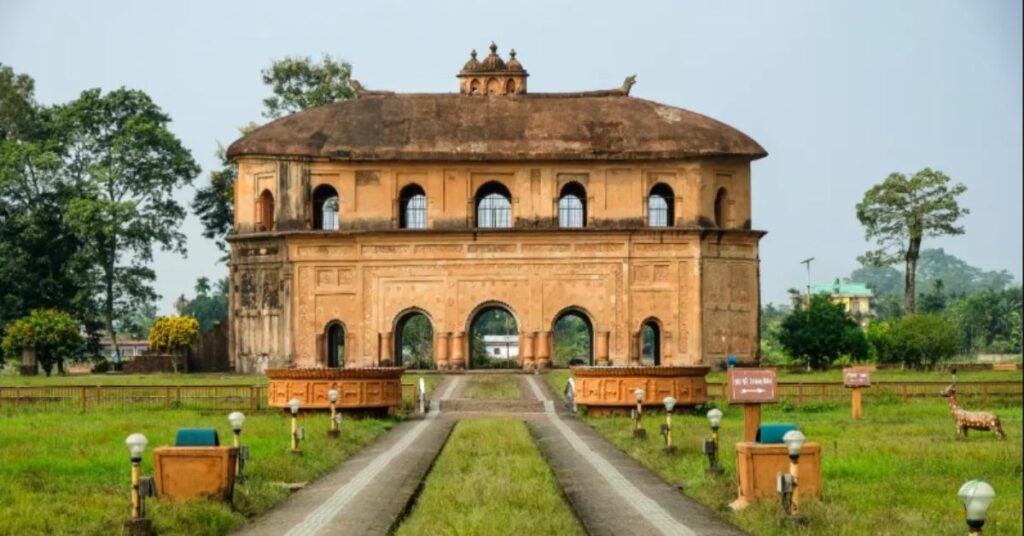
point(772, 433)
point(731, 360)
point(196, 437)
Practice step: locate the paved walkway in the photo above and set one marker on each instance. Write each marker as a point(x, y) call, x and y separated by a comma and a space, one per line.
point(610, 492)
point(369, 492)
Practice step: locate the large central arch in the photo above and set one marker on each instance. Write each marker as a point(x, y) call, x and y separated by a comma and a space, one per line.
point(492, 337)
point(572, 338)
point(413, 345)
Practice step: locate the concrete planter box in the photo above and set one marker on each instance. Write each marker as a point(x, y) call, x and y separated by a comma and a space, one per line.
point(757, 466)
point(184, 473)
point(609, 390)
point(360, 390)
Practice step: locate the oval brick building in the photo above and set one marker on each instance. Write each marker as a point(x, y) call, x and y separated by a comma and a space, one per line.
point(627, 213)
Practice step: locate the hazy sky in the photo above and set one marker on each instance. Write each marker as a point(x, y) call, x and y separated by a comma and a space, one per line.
point(839, 93)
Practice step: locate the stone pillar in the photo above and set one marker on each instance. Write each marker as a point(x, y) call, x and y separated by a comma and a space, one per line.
point(526, 358)
point(542, 349)
point(29, 366)
point(601, 348)
point(387, 358)
point(441, 342)
point(636, 348)
point(458, 350)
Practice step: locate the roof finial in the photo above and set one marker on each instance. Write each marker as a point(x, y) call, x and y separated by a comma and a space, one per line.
point(512, 53)
point(472, 53)
point(494, 48)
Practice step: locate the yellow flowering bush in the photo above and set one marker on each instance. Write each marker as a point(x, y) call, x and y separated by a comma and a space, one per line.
point(173, 334)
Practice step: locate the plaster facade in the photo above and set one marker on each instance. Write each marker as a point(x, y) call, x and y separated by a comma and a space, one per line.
point(697, 278)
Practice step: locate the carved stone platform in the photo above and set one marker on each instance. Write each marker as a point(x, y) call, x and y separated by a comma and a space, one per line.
point(359, 389)
point(609, 390)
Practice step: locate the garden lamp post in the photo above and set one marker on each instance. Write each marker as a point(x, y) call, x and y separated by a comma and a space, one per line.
point(333, 433)
point(293, 405)
point(666, 429)
point(237, 419)
point(794, 440)
point(976, 496)
point(137, 523)
point(711, 445)
point(638, 432)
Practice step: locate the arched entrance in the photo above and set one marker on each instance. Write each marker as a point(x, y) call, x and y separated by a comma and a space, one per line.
point(650, 343)
point(414, 341)
point(335, 345)
point(493, 338)
point(572, 339)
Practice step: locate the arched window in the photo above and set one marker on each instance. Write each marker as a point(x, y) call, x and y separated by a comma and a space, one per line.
point(412, 203)
point(572, 339)
point(474, 87)
point(493, 86)
point(510, 87)
point(493, 340)
point(265, 211)
point(325, 208)
point(572, 206)
point(722, 208)
point(493, 206)
point(335, 341)
point(414, 341)
point(660, 204)
point(650, 343)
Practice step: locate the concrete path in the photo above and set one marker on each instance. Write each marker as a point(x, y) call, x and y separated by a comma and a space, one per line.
point(369, 492)
point(612, 493)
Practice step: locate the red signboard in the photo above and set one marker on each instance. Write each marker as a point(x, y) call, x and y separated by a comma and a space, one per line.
point(751, 386)
point(856, 377)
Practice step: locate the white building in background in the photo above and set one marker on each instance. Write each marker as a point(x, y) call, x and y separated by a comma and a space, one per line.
point(502, 346)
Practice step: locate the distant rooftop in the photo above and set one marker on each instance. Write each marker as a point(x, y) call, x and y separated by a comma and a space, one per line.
point(842, 289)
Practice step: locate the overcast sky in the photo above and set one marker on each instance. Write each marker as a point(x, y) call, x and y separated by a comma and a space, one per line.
point(839, 93)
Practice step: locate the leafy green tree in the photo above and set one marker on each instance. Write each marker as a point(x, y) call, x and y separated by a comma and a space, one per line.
point(42, 263)
point(296, 84)
point(934, 300)
point(417, 342)
point(988, 321)
point(570, 340)
point(958, 277)
point(821, 332)
point(139, 320)
point(882, 280)
point(130, 165)
point(772, 351)
point(922, 340)
point(301, 83)
point(877, 336)
point(900, 212)
point(209, 306)
point(52, 333)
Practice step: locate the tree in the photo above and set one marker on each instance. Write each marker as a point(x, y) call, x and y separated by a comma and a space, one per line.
point(935, 300)
point(52, 333)
point(130, 166)
point(173, 334)
point(988, 321)
point(209, 308)
point(300, 83)
point(42, 263)
point(296, 84)
point(820, 332)
point(922, 340)
point(900, 212)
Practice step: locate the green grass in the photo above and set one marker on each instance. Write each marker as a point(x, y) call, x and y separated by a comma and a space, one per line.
point(133, 379)
point(490, 479)
point(493, 387)
point(68, 472)
point(895, 472)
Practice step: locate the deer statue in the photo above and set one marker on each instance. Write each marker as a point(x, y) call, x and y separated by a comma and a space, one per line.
point(971, 420)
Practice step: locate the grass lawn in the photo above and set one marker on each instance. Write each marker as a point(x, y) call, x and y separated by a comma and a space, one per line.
point(492, 387)
point(68, 472)
point(490, 479)
point(890, 375)
point(896, 471)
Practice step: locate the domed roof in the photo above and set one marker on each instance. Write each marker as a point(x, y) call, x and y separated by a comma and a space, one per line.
point(493, 61)
point(601, 125)
point(513, 64)
point(472, 64)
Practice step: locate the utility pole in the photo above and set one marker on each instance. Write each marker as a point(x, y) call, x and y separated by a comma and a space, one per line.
point(807, 262)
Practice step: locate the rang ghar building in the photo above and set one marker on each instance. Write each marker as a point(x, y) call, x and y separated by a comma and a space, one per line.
point(631, 215)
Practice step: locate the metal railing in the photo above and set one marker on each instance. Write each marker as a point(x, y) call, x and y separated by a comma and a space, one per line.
point(805, 392)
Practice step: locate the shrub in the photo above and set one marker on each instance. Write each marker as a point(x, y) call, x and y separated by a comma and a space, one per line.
point(877, 339)
point(821, 332)
point(173, 334)
point(52, 333)
point(922, 340)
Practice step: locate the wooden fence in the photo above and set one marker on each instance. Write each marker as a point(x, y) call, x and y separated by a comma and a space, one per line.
point(254, 397)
